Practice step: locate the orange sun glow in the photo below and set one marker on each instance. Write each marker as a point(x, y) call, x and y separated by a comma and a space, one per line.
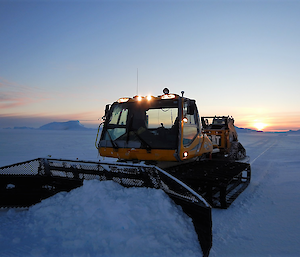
point(259, 125)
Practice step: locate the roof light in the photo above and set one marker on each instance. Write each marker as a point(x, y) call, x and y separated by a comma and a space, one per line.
point(123, 100)
point(149, 97)
point(168, 96)
point(139, 98)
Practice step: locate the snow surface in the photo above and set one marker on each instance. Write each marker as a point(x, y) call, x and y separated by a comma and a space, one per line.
point(100, 219)
point(105, 219)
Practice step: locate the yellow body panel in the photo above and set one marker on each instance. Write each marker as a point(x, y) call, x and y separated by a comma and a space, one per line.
point(138, 154)
point(198, 147)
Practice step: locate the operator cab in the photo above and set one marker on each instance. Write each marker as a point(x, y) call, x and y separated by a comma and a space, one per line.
point(162, 128)
point(144, 124)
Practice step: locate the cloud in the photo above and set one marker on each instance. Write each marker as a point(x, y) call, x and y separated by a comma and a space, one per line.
point(89, 119)
point(14, 95)
point(10, 100)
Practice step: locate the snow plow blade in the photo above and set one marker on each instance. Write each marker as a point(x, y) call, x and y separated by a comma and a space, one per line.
point(27, 183)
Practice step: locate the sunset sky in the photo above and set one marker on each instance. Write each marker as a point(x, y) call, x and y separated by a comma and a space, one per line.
point(65, 60)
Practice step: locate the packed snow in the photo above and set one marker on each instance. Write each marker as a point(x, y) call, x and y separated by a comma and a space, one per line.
point(105, 219)
point(100, 219)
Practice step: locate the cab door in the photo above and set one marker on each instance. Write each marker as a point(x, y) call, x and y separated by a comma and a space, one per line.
point(193, 142)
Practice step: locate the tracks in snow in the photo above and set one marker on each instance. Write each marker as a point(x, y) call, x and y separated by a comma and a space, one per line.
point(263, 152)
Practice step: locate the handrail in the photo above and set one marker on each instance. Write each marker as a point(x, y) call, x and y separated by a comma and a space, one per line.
point(98, 135)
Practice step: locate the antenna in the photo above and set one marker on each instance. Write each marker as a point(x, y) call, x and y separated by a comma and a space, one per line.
point(137, 81)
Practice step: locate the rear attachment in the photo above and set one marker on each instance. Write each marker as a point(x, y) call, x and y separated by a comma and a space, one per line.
point(219, 182)
point(24, 184)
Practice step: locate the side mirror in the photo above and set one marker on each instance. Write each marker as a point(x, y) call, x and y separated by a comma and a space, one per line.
point(106, 112)
point(191, 107)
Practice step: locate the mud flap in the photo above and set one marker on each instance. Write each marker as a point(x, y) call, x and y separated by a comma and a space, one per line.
point(24, 184)
point(202, 221)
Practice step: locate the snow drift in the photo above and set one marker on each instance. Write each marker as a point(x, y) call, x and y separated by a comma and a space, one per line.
point(101, 219)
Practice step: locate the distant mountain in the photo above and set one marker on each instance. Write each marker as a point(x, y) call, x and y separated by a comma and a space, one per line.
point(23, 128)
point(294, 131)
point(68, 125)
point(241, 130)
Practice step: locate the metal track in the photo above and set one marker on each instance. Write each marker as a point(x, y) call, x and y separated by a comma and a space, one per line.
point(219, 182)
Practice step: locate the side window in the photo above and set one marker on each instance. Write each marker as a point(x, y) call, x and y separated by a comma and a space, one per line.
point(190, 130)
point(123, 117)
point(118, 116)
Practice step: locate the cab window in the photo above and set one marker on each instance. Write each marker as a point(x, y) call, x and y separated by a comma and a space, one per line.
point(190, 128)
point(119, 116)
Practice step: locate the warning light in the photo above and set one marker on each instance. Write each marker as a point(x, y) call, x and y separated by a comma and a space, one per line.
point(168, 96)
point(123, 100)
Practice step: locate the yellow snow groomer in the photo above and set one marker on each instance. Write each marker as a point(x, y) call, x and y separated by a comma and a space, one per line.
point(163, 129)
point(166, 131)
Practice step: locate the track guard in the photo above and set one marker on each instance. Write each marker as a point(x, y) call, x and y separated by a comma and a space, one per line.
point(26, 183)
point(219, 182)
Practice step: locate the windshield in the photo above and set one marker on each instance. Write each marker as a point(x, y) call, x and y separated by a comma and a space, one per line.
point(143, 125)
point(161, 117)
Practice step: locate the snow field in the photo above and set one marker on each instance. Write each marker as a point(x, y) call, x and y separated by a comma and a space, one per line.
point(105, 219)
point(264, 220)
